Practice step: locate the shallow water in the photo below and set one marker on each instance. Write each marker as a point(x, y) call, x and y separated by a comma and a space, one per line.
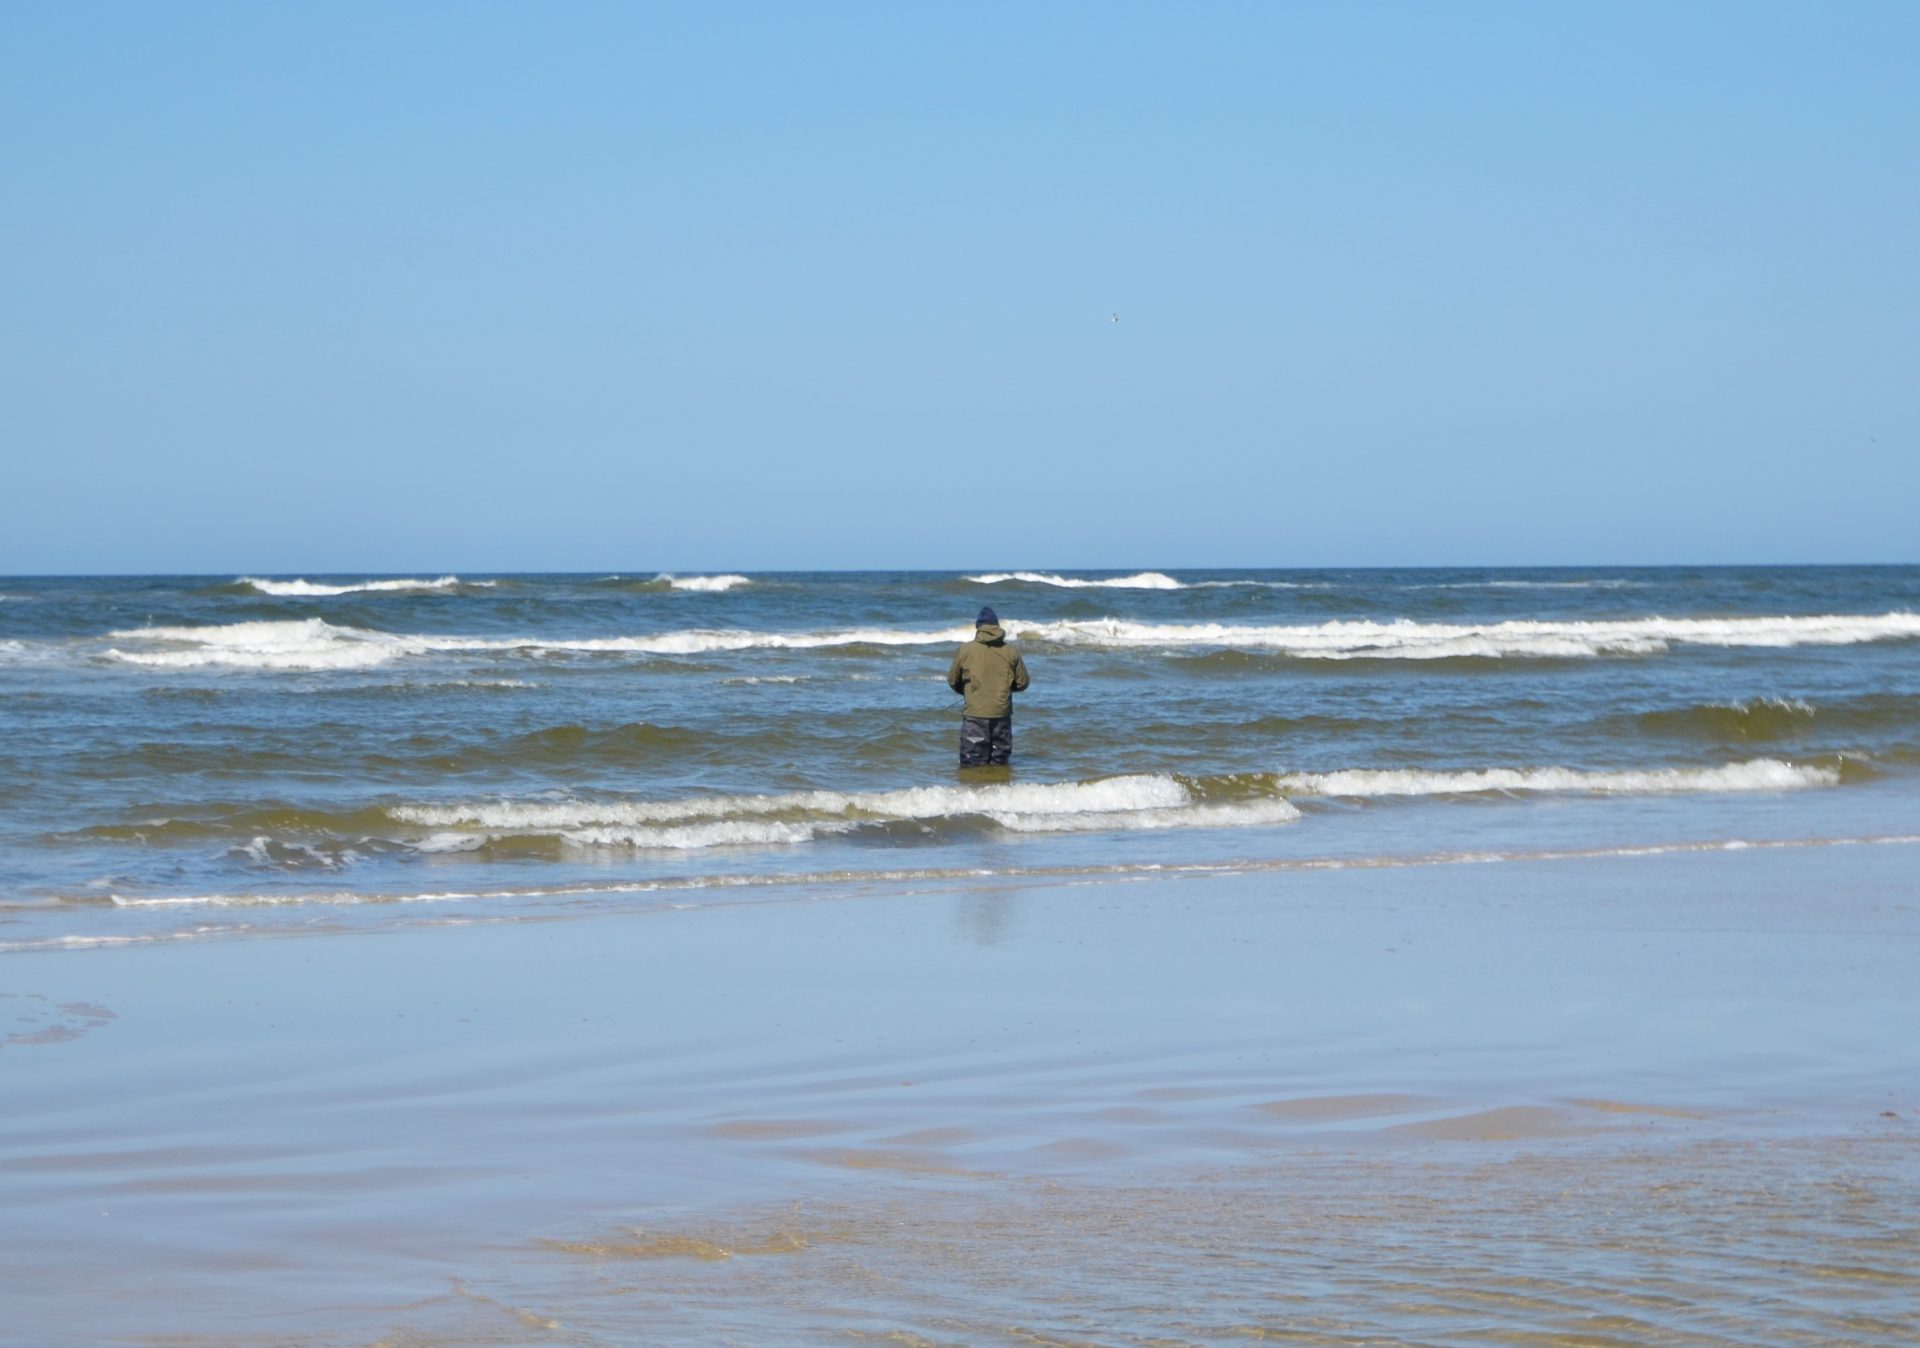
point(206, 755)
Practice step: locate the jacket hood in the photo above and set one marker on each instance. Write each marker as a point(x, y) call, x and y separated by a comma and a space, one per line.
point(991, 633)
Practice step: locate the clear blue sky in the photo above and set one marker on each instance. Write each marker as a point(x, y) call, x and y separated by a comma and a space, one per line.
point(570, 286)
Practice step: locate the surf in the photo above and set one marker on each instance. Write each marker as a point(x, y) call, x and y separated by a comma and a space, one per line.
point(314, 644)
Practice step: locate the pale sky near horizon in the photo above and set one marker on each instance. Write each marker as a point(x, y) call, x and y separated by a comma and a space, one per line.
point(486, 287)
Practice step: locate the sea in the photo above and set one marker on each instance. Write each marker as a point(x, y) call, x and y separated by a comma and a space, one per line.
point(206, 757)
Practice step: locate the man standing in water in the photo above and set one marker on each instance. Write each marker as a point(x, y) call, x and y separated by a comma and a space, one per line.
point(987, 672)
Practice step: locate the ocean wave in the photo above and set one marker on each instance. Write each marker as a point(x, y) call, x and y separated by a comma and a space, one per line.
point(1409, 640)
point(703, 584)
point(1147, 801)
point(28, 652)
point(1225, 814)
point(1144, 580)
point(712, 833)
point(266, 851)
point(309, 644)
point(1140, 791)
point(1113, 804)
point(1760, 718)
point(1775, 718)
point(1759, 774)
point(316, 644)
point(306, 589)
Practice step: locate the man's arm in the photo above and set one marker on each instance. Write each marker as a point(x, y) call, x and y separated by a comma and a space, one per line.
point(1020, 679)
point(956, 676)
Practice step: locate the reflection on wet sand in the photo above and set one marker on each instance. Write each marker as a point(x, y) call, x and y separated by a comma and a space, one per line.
point(1714, 1242)
point(1604, 1102)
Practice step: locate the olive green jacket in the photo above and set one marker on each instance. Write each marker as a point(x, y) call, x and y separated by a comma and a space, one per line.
point(988, 672)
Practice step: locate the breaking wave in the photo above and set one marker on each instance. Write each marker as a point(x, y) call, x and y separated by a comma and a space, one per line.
point(703, 584)
point(1114, 803)
point(317, 644)
point(1760, 774)
point(1409, 640)
point(1143, 801)
point(1143, 580)
point(304, 589)
point(309, 644)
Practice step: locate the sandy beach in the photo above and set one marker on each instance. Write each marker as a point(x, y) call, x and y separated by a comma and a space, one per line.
point(1047, 676)
point(1662, 1098)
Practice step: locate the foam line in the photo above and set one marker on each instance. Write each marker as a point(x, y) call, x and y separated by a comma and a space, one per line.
point(314, 589)
point(1143, 580)
point(317, 644)
point(1759, 774)
point(704, 584)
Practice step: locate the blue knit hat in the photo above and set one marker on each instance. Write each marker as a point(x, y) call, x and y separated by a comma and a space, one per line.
point(987, 615)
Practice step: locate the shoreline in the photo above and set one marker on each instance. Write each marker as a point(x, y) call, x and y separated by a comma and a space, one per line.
point(718, 889)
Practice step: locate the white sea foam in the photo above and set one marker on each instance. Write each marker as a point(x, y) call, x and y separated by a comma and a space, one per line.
point(450, 842)
point(1144, 580)
point(705, 584)
point(1139, 792)
point(292, 645)
point(1240, 814)
point(1114, 803)
point(713, 833)
point(1759, 774)
point(1408, 640)
point(266, 851)
point(30, 652)
point(316, 644)
point(307, 589)
point(278, 899)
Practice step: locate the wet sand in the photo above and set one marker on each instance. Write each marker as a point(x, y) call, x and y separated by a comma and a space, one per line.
point(1644, 1099)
